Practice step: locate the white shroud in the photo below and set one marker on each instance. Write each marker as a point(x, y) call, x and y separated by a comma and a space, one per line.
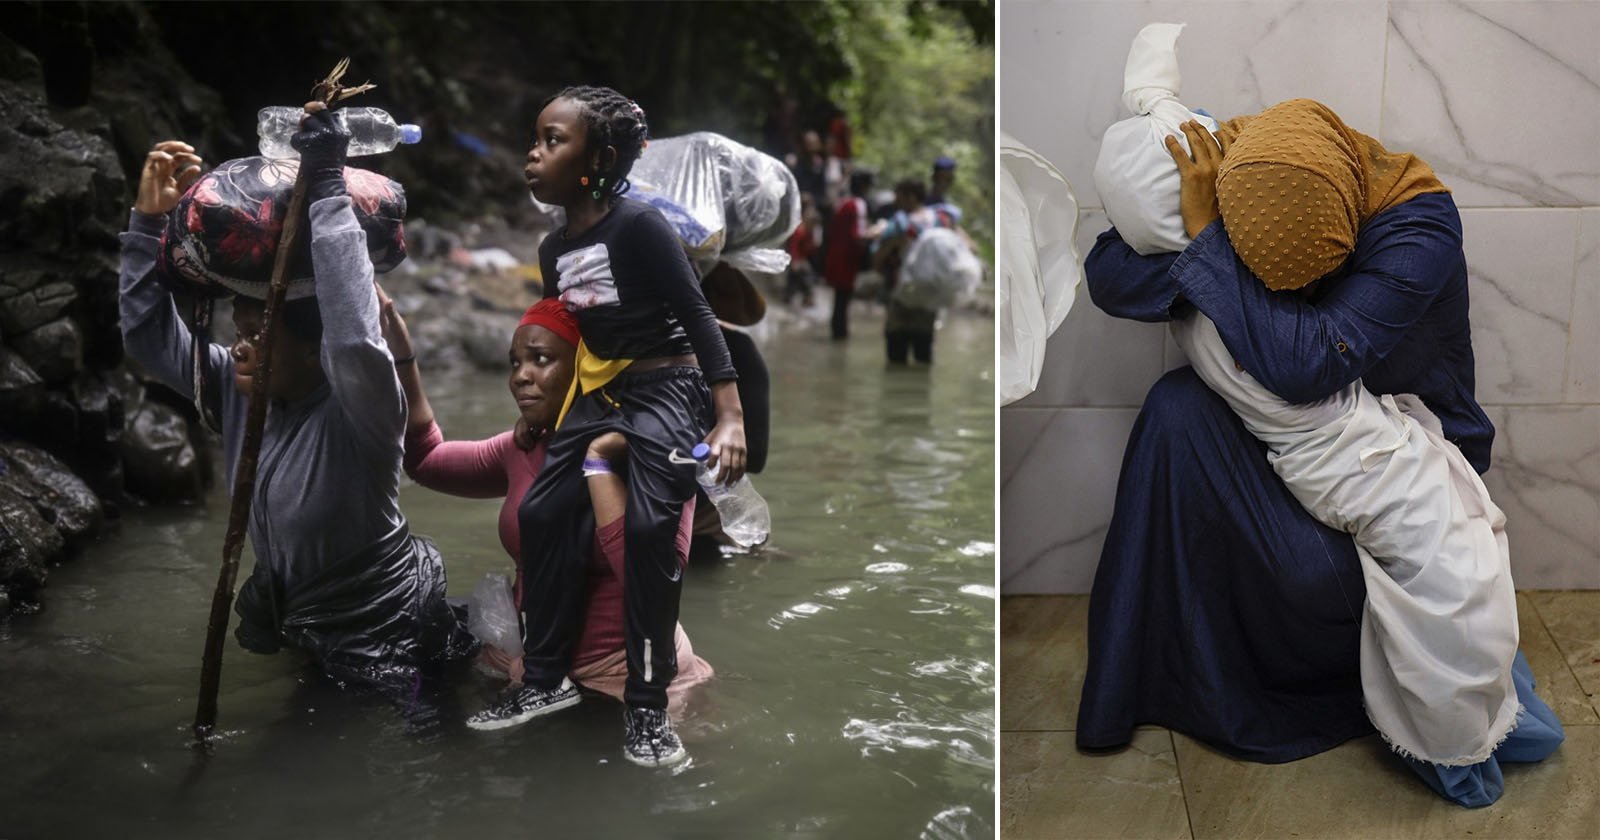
point(1440, 626)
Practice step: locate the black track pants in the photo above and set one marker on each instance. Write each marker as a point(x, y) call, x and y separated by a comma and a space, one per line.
point(841, 312)
point(657, 411)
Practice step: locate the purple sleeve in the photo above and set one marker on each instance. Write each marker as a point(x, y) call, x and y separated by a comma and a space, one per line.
point(152, 333)
point(355, 357)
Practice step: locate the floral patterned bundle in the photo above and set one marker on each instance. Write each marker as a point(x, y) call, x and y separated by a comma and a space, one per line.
point(222, 237)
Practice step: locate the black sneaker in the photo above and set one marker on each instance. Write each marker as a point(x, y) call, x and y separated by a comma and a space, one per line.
point(524, 703)
point(648, 739)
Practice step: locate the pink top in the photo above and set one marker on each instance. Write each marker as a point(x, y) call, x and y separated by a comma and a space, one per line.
point(485, 469)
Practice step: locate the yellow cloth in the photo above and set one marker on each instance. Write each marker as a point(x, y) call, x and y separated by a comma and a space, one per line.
point(590, 374)
point(1297, 184)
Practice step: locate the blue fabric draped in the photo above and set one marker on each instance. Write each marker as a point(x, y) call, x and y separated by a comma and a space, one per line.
point(1220, 607)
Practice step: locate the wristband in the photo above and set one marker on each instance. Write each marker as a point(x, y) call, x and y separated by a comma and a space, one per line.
point(406, 361)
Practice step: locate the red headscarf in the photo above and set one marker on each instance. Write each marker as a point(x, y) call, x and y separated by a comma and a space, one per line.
point(552, 314)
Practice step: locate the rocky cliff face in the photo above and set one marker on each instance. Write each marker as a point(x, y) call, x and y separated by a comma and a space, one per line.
point(75, 425)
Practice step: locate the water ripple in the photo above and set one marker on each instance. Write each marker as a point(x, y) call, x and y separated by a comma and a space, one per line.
point(974, 671)
point(960, 743)
point(957, 823)
point(805, 609)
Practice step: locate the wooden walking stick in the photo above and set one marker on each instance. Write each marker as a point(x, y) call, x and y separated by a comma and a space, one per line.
point(328, 91)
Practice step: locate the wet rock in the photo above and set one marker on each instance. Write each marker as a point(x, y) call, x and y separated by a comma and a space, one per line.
point(61, 189)
point(20, 65)
point(100, 409)
point(21, 391)
point(21, 273)
point(27, 542)
point(508, 292)
point(462, 336)
point(452, 283)
point(32, 308)
point(487, 338)
point(158, 460)
point(15, 374)
point(63, 499)
point(429, 241)
point(54, 350)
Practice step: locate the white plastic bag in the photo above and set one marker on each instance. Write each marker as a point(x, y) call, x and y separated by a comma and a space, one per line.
point(1135, 176)
point(1039, 265)
point(727, 200)
point(492, 616)
point(938, 268)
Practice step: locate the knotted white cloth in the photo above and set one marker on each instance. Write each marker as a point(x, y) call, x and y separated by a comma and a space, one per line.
point(1134, 175)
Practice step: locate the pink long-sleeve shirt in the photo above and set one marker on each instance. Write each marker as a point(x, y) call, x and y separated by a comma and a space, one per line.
point(497, 467)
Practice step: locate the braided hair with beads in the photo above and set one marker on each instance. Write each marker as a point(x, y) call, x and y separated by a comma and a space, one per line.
point(612, 120)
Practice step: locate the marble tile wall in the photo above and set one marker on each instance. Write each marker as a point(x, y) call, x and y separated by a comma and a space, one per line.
point(1501, 98)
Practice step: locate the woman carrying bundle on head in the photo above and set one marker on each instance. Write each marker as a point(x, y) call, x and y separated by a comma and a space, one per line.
point(337, 573)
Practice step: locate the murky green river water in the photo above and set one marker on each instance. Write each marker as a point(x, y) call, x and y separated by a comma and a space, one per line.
point(855, 680)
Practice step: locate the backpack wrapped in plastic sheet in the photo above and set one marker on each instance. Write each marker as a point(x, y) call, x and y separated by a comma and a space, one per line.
point(222, 237)
point(1135, 176)
point(938, 268)
point(727, 201)
point(375, 618)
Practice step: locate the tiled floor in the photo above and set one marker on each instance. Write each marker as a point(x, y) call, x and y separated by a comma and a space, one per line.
point(1170, 786)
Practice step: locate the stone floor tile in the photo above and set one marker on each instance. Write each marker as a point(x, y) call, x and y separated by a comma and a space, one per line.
point(1552, 677)
point(1573, 618)
point(1043, 653)
point(1048, 789)
point(1361, 790)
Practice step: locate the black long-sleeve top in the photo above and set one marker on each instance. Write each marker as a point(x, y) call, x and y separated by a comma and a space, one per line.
point(630, 284)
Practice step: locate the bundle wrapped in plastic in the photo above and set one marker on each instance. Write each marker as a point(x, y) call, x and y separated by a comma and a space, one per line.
point(938, 268)
point(222, 237)
point(1135, 176)
point(727, 201)
point(1039, 265)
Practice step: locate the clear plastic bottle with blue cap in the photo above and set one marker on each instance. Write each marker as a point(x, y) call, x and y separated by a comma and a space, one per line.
point(372, 130)
point(745, 518)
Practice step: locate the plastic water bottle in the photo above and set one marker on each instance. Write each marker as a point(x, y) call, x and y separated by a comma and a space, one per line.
point(744, 513)
point(372, 130)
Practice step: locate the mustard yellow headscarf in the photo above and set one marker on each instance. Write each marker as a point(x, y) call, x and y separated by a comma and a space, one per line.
point(1297, 184)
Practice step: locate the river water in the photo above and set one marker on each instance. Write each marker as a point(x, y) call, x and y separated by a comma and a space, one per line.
point(855, 684)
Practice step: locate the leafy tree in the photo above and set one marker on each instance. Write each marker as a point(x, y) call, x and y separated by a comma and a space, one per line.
point(921, 85)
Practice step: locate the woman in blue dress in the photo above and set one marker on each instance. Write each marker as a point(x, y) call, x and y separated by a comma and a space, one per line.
point(1220, 607)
